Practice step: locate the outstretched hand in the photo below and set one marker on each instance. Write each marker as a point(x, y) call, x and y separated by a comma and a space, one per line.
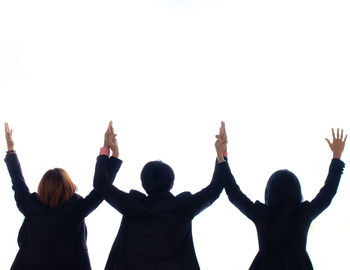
point(110, 140)
point(221, 142)
point(8, 135)
point(337, 146)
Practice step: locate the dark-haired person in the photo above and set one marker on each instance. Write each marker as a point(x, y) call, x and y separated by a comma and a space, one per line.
point(283, 222)
point(53, 234)
point(155, 231)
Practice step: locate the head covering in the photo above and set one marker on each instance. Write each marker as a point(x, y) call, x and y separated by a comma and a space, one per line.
point(283, 191)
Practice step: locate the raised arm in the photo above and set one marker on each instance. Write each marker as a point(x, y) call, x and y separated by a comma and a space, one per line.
point(115, 197)
point(205, 197)
point(15, 171)
point(92, 200)
point(328, 191)
point(235, 195)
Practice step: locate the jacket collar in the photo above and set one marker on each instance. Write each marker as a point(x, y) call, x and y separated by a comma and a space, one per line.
point(161, 195)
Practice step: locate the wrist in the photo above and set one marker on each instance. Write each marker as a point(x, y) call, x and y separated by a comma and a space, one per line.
point(221, 158)
point(337, 156)
point(10, 147)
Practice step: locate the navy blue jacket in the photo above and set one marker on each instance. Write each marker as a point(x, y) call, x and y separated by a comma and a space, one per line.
point(53, 238)
point(156, 230)
point(282, 236)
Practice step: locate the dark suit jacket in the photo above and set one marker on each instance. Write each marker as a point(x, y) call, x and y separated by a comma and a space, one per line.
point(155, 232)
point(53, 238)
point(282, 237)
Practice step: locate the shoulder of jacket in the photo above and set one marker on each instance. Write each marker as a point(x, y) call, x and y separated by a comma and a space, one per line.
point(185, 194)
point(76, 196)
point(33, 196)
point(137, 194)
point(304, 204)
point(260, 204)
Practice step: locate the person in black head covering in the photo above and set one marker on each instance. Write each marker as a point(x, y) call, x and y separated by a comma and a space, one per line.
point(283, 222)
point(156, 230)
point(283, 191)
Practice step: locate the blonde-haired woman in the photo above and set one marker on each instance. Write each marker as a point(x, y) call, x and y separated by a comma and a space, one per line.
point(53, 234)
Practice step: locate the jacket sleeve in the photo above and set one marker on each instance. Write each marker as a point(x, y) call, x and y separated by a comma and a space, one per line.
point(236, 196)
point(91, 201)
point(328, 191)
point(18, 184)
point(114, 196)
point(204, 198)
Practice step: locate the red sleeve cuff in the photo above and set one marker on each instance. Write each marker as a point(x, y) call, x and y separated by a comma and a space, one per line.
point(104, 151)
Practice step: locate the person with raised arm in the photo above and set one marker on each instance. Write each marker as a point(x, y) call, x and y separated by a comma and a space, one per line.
point(156, 229)
point(283, 221)
point(53, 234)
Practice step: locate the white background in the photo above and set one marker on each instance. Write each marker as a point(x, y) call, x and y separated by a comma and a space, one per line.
point(166, 72)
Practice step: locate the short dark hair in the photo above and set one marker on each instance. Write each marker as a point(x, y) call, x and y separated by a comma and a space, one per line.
point(156, 176)
point(283, 191)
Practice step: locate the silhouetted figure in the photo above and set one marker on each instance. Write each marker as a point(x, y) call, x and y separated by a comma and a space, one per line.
point(156, 231)
point(53, 234)
point(283, 222)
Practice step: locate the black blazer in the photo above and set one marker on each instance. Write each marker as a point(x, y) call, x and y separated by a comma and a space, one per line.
point(155, 231)
point(282, 237)
point(53, 238)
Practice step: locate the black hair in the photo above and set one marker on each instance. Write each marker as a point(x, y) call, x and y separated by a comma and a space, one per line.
point(157, 176)
point(283, 191)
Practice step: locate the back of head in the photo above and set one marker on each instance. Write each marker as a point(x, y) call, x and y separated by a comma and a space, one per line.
point(55, 187)
point(157, 177)
point(283, 191)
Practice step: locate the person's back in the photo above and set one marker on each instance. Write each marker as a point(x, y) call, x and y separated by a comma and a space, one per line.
point(160, 226)
point(53, 234)
point(156, 231)
point(158, 234)
point(282, 239)
point(283, 222)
